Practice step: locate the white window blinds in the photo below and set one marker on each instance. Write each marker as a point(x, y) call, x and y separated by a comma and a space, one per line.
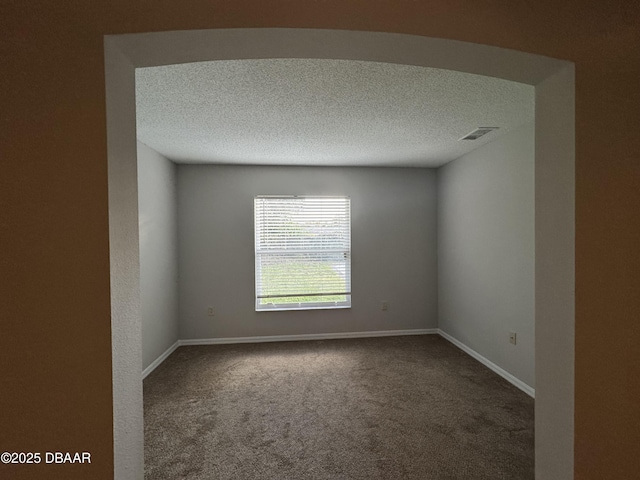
point(303, 252)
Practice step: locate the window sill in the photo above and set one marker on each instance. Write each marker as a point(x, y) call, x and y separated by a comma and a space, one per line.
point(284, 309)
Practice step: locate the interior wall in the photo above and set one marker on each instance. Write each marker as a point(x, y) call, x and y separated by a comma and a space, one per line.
point(124, 266)
point(55, 202)
point(393, 238)
point(486, 251)
point(555, 270)
point(158, 230)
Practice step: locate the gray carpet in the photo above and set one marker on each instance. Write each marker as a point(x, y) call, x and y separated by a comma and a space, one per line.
point(379, 408)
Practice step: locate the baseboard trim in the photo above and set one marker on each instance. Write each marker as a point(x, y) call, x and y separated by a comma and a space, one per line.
point(159, 360)
point(311, 336)
point(336, 336)
point(489, 364)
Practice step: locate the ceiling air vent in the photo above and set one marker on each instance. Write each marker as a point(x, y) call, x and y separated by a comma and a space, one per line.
point(478, 132)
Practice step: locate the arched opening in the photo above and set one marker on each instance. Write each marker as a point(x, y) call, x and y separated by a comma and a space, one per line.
point(554, 199)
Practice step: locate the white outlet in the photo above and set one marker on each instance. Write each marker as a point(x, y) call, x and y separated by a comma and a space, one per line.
point(513, 338)
point(210, 311)
point(385, 306)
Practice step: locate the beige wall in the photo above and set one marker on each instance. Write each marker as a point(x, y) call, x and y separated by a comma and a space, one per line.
point(55, 309)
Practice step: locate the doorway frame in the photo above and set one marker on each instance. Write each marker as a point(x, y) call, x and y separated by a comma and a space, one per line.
point(554, 82)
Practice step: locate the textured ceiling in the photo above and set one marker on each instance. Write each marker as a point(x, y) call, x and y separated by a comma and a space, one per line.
point(321, 112)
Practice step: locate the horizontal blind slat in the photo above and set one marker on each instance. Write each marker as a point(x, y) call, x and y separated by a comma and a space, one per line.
point(302, 248)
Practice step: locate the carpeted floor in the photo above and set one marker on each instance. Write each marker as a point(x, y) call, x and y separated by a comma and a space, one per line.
point(378, 408)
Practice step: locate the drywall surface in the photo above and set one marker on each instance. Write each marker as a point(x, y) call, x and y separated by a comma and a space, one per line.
point(555, 274)
point(486, 252)
point(124, 260)
point(393, 243)
point(157, 214)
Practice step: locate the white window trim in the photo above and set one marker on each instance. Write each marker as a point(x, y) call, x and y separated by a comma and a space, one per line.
point(274, 307)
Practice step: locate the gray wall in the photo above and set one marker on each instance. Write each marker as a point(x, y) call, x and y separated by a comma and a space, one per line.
point(157, 207)
point(555, 273)
point(393, 249)
point(486, 251)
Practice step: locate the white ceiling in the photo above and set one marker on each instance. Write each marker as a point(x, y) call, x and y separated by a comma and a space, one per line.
point(321, 112)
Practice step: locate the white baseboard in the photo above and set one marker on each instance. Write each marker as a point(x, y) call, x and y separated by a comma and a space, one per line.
point(159, 360)
point(334, 336)
point(311, 336)
point(492, 366)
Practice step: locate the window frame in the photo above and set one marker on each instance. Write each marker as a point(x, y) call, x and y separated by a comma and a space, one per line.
point(326, 305)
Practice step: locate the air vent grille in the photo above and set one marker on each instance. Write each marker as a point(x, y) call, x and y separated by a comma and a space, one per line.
point(478, 132)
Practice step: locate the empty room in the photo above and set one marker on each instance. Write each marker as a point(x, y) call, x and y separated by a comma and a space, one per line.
point(330, 251)
point(71, 322)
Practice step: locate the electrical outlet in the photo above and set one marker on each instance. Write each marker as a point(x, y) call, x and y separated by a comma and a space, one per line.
point(210, 311)
point(512, 337)
point(385, 306)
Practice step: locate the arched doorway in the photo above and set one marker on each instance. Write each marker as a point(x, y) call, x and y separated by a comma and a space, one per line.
point(554, 201)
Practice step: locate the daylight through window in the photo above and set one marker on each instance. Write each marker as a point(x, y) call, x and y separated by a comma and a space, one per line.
point(302, 252)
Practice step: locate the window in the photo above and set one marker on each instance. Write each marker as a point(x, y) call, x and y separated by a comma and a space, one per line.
point(303, 252)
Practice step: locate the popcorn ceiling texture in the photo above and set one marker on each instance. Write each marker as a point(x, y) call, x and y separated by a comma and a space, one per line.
point(321, 112)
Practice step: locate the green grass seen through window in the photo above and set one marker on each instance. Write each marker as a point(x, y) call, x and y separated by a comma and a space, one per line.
point(307, 277)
